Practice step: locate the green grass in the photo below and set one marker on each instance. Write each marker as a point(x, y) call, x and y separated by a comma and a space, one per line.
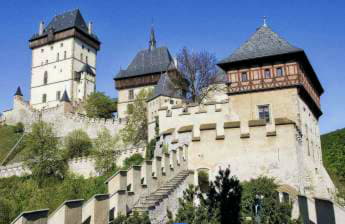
point(333, 153)
point(8, 138)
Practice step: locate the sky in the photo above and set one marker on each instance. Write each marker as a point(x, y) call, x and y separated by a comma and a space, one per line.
point(218, 27)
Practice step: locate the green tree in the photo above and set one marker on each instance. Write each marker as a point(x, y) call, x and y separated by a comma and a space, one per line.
point(43, 156)
point(150, 149)
point(133, 160)
point(105, 150)
point(77, 143)
point(135, 131)
point(135, 218)
point(98, 105)
point(272, 210)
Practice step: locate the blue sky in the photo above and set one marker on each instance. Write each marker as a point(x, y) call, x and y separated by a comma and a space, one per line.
point(216, 26)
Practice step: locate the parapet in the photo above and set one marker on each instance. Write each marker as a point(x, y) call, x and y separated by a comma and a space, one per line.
point(32, 217)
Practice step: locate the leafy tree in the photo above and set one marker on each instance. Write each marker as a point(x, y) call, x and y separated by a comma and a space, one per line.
point(43, 156)
point(136, 218)
point(105, 152)
point(198, 72)
point(135, 131)
point(272, 210)
point(77, 144)
point(98, 105)
point(133, 160)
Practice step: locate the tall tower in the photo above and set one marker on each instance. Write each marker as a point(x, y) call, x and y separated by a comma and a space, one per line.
point(63, 59)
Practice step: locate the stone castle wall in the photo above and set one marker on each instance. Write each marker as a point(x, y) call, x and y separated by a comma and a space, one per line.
point(61, 118)
point(84, 166)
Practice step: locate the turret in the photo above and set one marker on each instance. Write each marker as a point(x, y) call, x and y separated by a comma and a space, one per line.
point(66, 102)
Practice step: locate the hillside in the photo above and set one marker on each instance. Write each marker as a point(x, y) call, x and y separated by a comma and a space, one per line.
point(9, 136)
point(333, 150)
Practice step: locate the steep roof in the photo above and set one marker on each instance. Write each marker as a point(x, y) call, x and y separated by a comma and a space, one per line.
point(65, 97)
point(18, 92)
point(67, 20)
point(263, 43)
point(148, 61)
point(166, 87)
point(86, 68)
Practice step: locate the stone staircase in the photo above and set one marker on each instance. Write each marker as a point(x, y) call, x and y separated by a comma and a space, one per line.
point(150, 202)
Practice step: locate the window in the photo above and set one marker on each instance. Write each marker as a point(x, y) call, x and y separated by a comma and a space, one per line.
point(51, 47)
point(171, 102)
point(87, 59)
point(58, 95)
point(279, 71)
point(264, 112)
point(42, 50)
point(64, 54)
point(81, 56)
point(88, 50)
point(82, 46)
point(111, 215)
point(61, 45)
point(58, 57)
point(267, 73)
point(131, 94)
point(45, 78)
point(244, 77)
point(44, 98)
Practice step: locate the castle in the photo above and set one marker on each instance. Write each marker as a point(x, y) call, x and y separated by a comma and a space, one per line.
point(265, 122)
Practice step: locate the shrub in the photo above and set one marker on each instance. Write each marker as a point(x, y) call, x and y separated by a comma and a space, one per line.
point(203, 181)
point(105, 147)
point(136, 218)
point(135, 159)
point(77, 144)
point(43, 156)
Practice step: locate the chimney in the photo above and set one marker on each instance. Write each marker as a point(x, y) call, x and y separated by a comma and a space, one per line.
point(40, 31)
point(90, 27)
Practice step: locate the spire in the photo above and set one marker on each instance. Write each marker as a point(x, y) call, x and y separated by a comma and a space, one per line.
point(152, 42)
point(265, 21)
point(18, 92)
point(65, 97)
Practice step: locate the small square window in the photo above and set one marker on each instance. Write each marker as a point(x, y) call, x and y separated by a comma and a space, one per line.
point(42, 50)
point(58, 95)
point(279, 71)
point(61, 45)
point(51, 47)
point(131, 94)
point(244, 76)
point(264, 112)
point(171, 102)
point(267, 73)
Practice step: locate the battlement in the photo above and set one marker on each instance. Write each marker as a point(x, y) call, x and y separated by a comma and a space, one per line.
point(126, 188)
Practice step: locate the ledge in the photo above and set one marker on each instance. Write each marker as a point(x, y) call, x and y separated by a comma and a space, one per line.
point(163, 108)
point(283, 121)
point(209, 126)
point(168, 131)
point(271, 133)
point(245, 135)
point(174, 141)
point(184, 113)
point(176, 107)
point(256, 123)
point(186, 128)
point(232, 124)
point(201, 111)
point(220, 137)
point(195, 139)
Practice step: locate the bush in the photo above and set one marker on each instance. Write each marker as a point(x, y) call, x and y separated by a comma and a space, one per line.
point(77, 144)
point(19, 128)
point(203, 181)
point(43, 156)
point(150, 149)
point(136, 218)
point(98, 105)
point(105, 147)
point(134, 160)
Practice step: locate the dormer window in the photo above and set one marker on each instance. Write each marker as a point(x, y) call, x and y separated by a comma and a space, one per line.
point(244, 76)
point(279, 71)
point(267, 73)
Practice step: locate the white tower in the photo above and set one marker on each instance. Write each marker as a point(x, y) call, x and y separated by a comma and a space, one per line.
point(63, 58)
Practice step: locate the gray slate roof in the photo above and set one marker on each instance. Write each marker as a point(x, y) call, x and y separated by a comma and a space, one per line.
point(147, 61)
point(264, 42)
point(18, 92)
point(86, 68)
point(65, 97)
point(166, 87)
point(67, 20)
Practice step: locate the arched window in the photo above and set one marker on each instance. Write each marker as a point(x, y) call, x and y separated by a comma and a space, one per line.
point(45, 78)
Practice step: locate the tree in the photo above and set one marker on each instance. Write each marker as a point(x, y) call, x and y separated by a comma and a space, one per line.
point(43, 156)
point(135, 131)
point(77, 144)
point(136, 218)
point(272, 211)
point(199, 71)
point(105, 152)
point(150, 149)
point(133, 160)
point(98, 105)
